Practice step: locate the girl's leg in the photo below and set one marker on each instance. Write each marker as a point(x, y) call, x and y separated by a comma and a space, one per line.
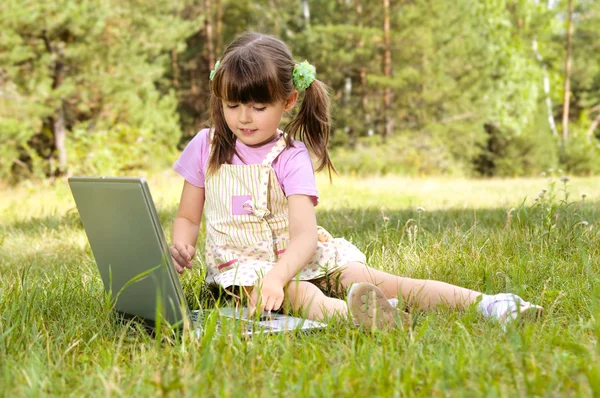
point(316, 305)
point(417, 293)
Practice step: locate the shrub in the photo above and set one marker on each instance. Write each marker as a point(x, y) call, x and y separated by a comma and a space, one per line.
point(581, 156)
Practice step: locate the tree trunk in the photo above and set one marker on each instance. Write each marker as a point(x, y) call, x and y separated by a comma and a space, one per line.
point(539, 57)
point(306, 13)
point(364, 101)
point(208, 28)
point(60, 135)
point(594, 125)
point(59, 132)
point(219, 27)
point(175, 66)
point(387, 68)
point(568, 73)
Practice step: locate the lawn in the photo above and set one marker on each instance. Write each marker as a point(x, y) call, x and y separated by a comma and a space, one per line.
point(536, 237)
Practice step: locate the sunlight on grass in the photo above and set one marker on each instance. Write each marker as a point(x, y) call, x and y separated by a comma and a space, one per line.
point(58, 335)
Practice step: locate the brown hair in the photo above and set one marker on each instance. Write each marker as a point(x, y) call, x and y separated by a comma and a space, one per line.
point(258, 68)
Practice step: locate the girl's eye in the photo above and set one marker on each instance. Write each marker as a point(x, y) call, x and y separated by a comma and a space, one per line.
point(232, 106)
point(260, 109)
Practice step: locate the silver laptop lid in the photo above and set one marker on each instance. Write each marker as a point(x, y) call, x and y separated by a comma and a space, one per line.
point(129, 246)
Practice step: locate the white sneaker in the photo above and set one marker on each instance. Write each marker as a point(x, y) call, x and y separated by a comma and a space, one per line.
point(370, 308)
point(506, 307)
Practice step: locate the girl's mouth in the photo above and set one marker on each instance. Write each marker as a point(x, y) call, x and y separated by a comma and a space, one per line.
point(247, 131)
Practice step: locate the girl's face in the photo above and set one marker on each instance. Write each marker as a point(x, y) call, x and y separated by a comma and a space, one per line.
point(253, 123)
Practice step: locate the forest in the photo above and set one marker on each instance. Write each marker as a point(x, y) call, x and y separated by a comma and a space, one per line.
point(418, 87)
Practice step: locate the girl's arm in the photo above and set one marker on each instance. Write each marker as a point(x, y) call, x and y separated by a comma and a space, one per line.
point(303, 238)
point(186, 226)
point(299, 252)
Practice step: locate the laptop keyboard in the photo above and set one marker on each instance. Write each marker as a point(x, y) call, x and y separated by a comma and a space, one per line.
point(197, 318)
point(265, 322)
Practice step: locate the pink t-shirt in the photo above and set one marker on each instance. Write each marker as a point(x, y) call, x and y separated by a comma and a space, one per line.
point(293, 167)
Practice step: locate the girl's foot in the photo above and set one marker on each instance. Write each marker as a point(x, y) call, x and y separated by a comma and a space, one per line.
point(506, 307)
point(370, 308)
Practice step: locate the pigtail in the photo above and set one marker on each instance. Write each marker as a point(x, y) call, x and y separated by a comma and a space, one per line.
point(312, 125)
point(222, 145)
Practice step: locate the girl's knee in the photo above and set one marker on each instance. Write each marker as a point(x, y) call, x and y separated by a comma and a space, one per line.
point(299, 292)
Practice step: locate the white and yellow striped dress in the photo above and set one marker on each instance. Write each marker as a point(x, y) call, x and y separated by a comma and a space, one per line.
point(242, 246)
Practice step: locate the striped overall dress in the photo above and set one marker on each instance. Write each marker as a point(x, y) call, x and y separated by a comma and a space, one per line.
point(246, 216)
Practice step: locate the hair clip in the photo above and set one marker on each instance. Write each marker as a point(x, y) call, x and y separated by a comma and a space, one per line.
point(212, 72)
point(303, 75)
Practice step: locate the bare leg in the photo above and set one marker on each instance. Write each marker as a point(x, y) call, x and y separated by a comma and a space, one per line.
point(313, 302)
point(417, 293)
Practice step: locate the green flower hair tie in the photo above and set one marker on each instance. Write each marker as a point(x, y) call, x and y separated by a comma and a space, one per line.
point(303, 75)
point(212, 72)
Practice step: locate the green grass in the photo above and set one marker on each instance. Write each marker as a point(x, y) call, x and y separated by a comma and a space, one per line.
point(59, 337)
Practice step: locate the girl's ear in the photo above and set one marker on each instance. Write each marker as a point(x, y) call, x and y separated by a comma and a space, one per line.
point(291, 101)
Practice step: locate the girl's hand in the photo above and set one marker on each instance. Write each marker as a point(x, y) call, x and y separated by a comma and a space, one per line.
point(267, 295)
point(182, 255)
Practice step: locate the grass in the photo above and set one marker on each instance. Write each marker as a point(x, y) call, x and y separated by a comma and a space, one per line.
point(59, 337)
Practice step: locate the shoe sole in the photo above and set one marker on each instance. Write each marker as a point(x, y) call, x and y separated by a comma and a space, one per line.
point(371, 308)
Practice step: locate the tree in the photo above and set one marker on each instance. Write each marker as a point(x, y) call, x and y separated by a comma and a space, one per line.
point(84, 65)
point(568, 60)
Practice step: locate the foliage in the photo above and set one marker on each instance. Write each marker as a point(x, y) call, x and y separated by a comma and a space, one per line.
point(581, 156)
point(456, 69)
point(96, 63)
point(415, 154)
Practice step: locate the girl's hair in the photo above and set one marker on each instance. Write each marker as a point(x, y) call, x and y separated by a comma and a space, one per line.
point(258, 68)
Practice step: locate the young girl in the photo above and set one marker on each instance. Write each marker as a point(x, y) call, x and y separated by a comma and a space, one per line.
point(256, 187)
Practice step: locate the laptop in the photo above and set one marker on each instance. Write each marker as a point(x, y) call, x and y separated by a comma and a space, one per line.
point(131, 252)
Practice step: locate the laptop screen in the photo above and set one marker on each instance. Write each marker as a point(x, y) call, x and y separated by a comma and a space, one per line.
point(129, 246)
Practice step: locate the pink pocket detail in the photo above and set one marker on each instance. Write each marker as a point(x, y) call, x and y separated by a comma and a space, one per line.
point(237, 205)
point(278, 252)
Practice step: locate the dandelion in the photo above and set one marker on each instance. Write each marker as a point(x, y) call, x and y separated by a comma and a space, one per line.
point(420, 209)
point(584, 223)
point(583, 196)
point(544, 190)
point(541, 194)
point(386, 219)
point(564, 179)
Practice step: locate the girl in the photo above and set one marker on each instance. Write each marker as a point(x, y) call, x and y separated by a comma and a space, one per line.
point(256, 187)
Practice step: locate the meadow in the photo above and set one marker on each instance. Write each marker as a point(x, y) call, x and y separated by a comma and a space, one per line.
point(536, 237)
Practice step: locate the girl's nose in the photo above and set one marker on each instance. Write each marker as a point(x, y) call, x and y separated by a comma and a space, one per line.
point(245, 116)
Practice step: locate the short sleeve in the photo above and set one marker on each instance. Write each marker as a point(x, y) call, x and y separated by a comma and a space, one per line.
point(191, 164)
point(297, 176)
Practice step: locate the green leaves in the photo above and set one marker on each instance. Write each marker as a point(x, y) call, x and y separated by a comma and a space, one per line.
point(99, 61)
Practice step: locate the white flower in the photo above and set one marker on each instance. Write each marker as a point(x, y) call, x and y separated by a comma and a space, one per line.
point(386, 219)
point(420, 209)
point(584, 223)
point(541, 194)
point(564, 179)
point(543, 174)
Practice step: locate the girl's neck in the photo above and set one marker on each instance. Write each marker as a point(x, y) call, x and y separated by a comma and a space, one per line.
point(274, 137)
